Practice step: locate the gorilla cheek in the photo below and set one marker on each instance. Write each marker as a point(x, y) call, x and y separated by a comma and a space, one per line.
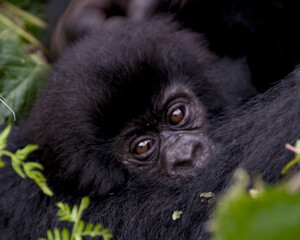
point(184, 152)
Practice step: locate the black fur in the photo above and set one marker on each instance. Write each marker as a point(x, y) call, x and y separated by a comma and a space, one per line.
point(95, 89)
point(263, 32)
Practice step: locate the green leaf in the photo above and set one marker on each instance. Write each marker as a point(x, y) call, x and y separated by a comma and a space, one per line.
point(97, 228)
point(85, 202)
point(92, 231)
point(16, 165)
point(50, 235)
point(60, 205)
point(65, 234)
point(2, 164)
point(78, 237)
point(274, 214)
point(176, 215)
point(34, 7)
point(43, 186)
point(3, 137)
point(105, 234)
point(23, 14)
point(64, 212)
point(22, 154)
point(74, 213)
point(30, 166)
point(20, 76)
point(22, 168)
point(80, 228)
point(8, 34)
point(89, 227)
point(36, 176)
point(56, 234)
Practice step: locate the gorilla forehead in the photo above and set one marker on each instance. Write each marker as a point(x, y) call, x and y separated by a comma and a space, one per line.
point(117, 74)
point(150, 53)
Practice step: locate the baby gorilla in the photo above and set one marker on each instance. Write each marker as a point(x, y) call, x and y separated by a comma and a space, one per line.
point(137, 102)
point(126, 111)
point(144, 95)
point(140, 99)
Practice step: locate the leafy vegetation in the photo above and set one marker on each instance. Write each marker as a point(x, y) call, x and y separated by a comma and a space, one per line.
point(24, 169)
point(22, 62)
point(34, 7)
point(263, 213)
point(80, 229)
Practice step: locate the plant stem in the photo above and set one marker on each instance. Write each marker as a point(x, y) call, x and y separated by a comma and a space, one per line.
point(81, 208)
point(30, 38)
point(289, 165)
point(7, 153)
point(293, 149)
point(25, 15)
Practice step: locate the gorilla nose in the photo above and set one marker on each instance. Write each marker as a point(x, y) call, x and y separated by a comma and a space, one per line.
point(182, 153)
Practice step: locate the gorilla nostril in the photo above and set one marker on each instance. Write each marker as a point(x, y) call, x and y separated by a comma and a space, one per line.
point(197, 149)
point(115, 12)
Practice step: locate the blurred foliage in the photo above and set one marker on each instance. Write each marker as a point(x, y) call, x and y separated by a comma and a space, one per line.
point(272, 213)
point(22, 60)
point(35, 7)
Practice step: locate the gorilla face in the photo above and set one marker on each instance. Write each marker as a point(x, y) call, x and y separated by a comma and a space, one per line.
point(168, 142)
point(139, 99)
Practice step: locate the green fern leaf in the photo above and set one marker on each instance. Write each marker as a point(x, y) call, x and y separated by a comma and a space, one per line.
point(3, 137)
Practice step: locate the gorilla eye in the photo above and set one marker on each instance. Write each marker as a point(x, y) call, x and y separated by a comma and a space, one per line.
point(177, 115)
point(143, 146)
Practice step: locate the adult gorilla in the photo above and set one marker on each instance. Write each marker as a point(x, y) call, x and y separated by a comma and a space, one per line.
point(134, 113)
point(263, 32)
